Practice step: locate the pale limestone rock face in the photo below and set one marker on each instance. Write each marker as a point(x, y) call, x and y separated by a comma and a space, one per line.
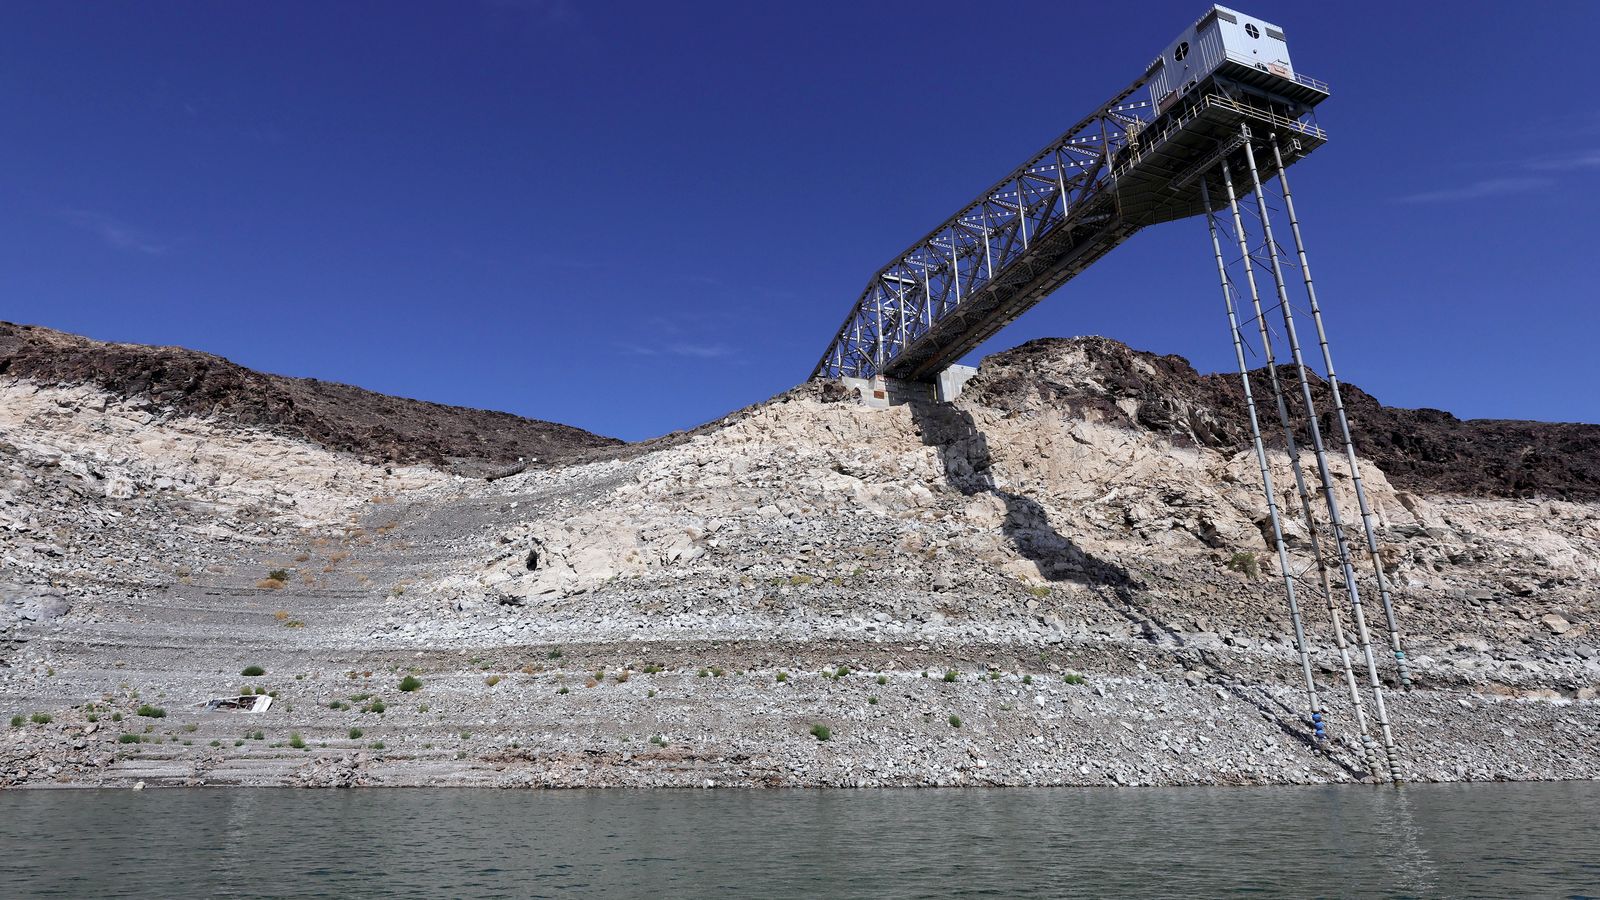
point(120, 451)
point(118, 486)
point(1023, 488)
point(977, 496)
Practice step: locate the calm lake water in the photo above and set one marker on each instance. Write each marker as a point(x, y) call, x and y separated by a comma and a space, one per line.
point(1424, 841)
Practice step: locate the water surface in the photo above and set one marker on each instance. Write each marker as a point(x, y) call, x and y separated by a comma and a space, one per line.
point(1424, 841)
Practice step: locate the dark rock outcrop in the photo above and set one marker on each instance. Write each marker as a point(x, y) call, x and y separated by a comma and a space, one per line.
point(339, 417)
point(1424, 450)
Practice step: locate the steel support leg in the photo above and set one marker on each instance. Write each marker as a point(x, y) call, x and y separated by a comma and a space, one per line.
point(1337, 525)
point(1344, 427)
point(1301, 490)
point(1266, 475)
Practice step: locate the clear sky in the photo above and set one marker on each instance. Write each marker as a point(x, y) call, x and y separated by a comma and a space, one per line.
point(633, 217)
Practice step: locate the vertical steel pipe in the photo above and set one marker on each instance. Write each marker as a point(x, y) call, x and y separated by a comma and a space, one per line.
point(900, 320)
point(1261, 461)
point(1302, 492)
point(877, 330)
point(1022, 214)
point(988, 254)
point(1344, 426)
point(955, 265)
point(1301, 489)
point(1317, 448)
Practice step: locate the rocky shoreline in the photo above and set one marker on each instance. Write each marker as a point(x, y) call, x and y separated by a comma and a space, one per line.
point(1014, 590)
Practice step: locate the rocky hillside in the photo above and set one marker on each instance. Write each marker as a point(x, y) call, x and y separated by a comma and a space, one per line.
point(1061, 578)
point(337, 417)
point(1419, 449)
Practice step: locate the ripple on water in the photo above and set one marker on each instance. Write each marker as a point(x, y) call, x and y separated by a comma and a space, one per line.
point(1427, 840)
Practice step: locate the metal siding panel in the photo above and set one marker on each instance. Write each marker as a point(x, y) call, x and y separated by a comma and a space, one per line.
point(1211, 44)
point(1233, 37)
point(1159, 84)
point(1219, 34)
point(1264, 49)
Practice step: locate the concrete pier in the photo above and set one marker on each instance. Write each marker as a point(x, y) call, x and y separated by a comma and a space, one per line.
point(881, 393)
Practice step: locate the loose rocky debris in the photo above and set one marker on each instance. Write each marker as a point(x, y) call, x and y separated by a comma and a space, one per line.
point(1040, 584)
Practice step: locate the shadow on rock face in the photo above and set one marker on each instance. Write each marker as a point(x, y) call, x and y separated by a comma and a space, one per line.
point(964, 451)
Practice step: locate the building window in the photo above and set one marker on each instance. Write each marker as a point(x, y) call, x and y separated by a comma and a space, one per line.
point(1181, 52)
point(1252, 30)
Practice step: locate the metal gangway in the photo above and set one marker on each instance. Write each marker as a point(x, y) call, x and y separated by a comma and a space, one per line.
point(1209, 130)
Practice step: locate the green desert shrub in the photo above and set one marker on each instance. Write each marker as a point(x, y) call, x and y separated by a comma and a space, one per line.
point(410, 683)
point(252, 671)
point(1247, 563)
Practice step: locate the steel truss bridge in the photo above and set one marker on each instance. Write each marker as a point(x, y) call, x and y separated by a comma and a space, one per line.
point(1221, 151)
point(1116, 171)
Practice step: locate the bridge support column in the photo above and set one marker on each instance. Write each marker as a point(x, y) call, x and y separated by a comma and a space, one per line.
point(1293, 449)
point(882, 393)
point(952, 380)
point(1278, 544)
point(1260, 251)
point(1336, 524)
point(1344, 425)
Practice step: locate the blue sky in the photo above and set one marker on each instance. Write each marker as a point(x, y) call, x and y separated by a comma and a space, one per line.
point(633, 217)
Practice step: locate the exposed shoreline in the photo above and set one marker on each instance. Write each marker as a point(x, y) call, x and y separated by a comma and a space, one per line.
point(1073, 569)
